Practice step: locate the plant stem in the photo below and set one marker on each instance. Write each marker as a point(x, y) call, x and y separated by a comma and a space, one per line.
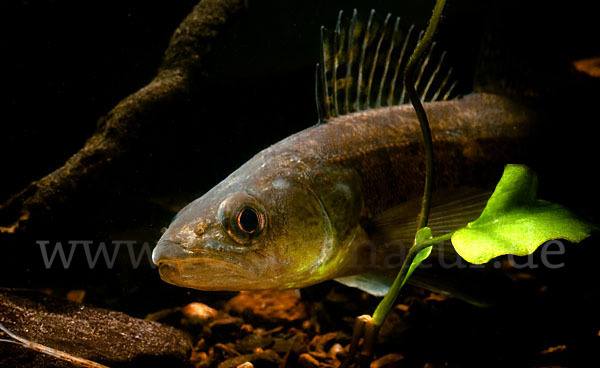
point(409, 74)
point(383, 308)
point(386, 304)
point(432, 241)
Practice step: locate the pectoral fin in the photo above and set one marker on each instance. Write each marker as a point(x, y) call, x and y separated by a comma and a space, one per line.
point(478, 286)
point(444, 272)
point(372, 283)
point(450, 210)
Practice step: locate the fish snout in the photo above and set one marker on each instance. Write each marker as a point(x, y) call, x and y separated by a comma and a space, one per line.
point(168, 251)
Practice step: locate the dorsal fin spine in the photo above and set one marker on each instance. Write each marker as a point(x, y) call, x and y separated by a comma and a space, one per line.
point(449, 93)
point(402, 95)
point(362, 64)
point(336, 50)
point(398, 64)
point(422, 70)
point(318, 97)
point(388, 58)
point(365, 43)
point(433, 76)
point(376, 58)
point(326, 108)
point(442, 85)
point(350, 61)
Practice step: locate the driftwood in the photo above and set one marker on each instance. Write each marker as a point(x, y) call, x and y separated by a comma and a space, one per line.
point(83, 331)
point(184, 62)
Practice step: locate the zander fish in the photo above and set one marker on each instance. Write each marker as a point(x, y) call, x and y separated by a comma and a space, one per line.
point(336, 200)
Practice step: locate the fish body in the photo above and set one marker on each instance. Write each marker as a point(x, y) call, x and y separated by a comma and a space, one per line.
point(303, 210)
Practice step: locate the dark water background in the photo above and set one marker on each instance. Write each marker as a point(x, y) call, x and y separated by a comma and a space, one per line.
point(66, 63)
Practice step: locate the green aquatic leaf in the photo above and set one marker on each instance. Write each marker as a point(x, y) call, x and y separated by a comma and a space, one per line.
point(515, 222)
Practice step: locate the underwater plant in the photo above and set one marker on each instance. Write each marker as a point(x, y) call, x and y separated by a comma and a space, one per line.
point(513, 222)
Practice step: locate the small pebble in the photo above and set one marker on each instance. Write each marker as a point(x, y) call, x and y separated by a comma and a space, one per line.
point(199, 359)
point(227, 350)
point(267, 360)
point(307, 361)
point(246, 328)
point(76, 296)
point(435, 297)
point(201, 345)
point(250, 342)
point(321, 343)
point(554, 349)
point(199, 311)
point(590, 66)
point(269, 307)
point(388, 360)
point(226, 327)
point(402, 307)
point(336, 349)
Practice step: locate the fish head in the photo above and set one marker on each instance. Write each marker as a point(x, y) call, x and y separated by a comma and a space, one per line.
point(264, 227)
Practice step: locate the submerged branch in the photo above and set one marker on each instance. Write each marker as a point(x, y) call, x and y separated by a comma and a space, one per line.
point(81, 362)
point(186, 58)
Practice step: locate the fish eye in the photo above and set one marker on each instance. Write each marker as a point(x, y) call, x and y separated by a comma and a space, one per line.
point(242, 218)
point(248, 220)
point(246, 224)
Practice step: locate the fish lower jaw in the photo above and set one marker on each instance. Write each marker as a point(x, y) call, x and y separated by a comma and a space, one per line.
point(213, 275)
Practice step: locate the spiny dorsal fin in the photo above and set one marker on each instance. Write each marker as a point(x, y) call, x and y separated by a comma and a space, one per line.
point(362, 64)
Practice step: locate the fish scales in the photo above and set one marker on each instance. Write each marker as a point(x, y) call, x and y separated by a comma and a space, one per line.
point(473, 138)
point(297, 213)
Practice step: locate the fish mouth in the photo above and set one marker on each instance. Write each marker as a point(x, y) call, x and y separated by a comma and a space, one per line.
point(199, 269)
